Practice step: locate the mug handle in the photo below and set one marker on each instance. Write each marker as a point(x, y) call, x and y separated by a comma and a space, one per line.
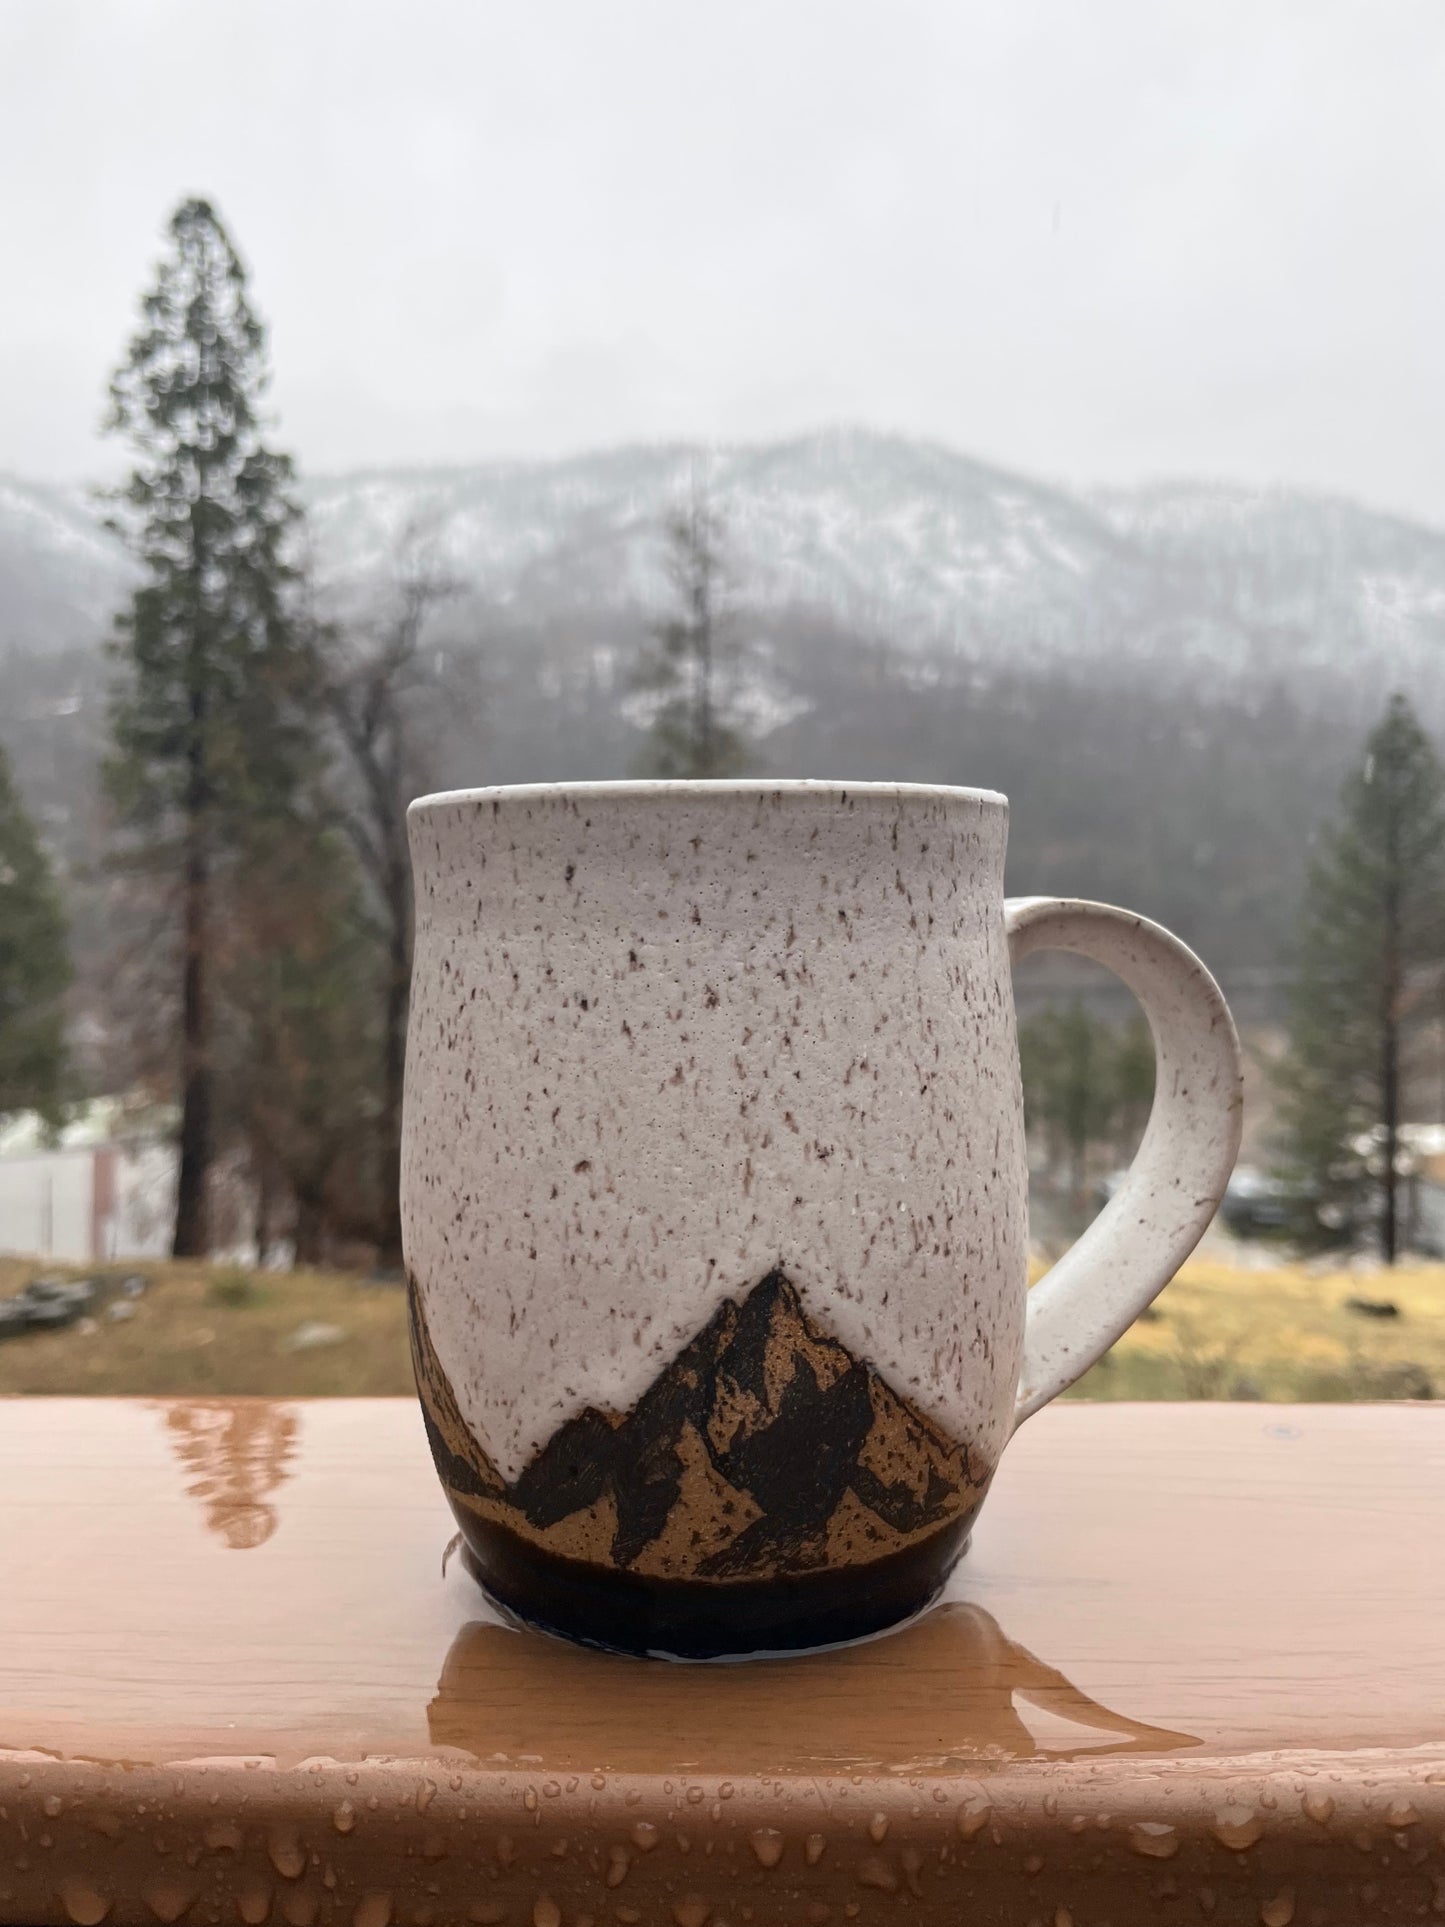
point(1173, 1187)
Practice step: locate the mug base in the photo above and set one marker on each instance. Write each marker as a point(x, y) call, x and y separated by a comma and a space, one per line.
point(628, 1612)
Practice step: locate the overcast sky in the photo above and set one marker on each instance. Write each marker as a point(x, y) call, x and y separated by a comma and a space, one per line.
point(1098, 240)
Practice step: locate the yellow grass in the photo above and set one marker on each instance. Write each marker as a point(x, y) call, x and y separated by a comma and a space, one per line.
point(1221, 1331)
point(1286, 1332)
point(185, 1338)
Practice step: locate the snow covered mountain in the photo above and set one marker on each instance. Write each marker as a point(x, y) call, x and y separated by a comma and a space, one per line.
point(894, 540)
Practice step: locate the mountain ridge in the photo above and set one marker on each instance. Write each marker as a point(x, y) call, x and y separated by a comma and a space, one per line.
point(906, 538)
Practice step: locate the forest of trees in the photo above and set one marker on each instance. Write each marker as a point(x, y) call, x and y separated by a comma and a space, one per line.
point(263, 742)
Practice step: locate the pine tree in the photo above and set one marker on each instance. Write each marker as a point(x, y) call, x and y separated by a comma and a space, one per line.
point(298, 995)
point(208, 718)
point(34, 965)
point(1133, 1081)
point(687, 667)
point(1069, 1063)
point(1372, 930)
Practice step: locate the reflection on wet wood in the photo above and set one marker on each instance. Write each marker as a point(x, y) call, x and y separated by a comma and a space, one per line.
point(949, 1691)
point(1194, 1652)
point(236, 1452)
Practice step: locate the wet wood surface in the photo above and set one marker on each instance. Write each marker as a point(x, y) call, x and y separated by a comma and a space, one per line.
point(1192, 1668)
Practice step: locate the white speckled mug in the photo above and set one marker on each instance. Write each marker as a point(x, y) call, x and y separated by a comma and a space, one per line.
point(714, 1193)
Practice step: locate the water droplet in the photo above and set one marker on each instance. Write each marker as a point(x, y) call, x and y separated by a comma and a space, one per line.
point(86, 1907)
point(767, 1845)
point(1033, 1863)
point(694, 1796)
point(552, 1789)
point(691, 1911)
point(876, 1872)
point(288, 1856)
point(223, 1836)
point(973, 1817)
point(912, 1862)
point(878, 1829)
point(299, 1906)
point(373, 1909)
point(1399, 1814)
point(1207, 1902)
point(52, 1805)
point(813, 1848)
point(253, 1900)
point(351, 1776)
point(344, 1817)
point(1278, 1912)
point(619, 1861)
point(1236, 1827)
point(168, 1895)
point(725, 1791)
point(599, 1783)
point(1050, 1805)
point(529, 1799)
point(1154, 1839)
point(1319, 1806)
point(108, 1823)
point(546, 1912)
point(1063, 1918)
point(644, 1834)
point(425, 1794)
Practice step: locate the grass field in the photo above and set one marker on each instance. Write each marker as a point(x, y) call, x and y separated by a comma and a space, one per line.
point(1218, 1332)
point(198, 1331)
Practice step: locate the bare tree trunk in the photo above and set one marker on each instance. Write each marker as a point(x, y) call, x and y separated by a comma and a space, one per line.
point(192, 1236)
point(265, 1210)
point(310, 1219)
point(705, 702)
point(1390, 1045)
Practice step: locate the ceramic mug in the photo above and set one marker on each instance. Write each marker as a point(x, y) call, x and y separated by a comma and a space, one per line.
point(714, 1194)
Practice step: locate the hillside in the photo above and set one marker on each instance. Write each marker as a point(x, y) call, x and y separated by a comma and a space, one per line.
point(1167, 680)
point(899, 540)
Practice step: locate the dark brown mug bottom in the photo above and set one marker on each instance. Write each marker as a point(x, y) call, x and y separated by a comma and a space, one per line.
point(627, 1612)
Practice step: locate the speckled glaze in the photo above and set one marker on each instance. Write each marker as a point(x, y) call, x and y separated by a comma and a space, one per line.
point(714, 1189)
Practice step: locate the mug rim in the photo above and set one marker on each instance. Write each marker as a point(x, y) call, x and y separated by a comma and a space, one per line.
point(663, 789)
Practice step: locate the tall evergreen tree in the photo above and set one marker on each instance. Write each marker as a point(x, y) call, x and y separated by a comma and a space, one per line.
point(1067, 1059)
point(34, 965)
point(1372, 927)
point(209, 724)
point(692, 652)
point(298, 980)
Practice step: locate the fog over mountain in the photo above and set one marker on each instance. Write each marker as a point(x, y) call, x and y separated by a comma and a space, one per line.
point(1167, 680)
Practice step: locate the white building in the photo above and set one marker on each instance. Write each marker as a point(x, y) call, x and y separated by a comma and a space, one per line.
point(103, 1189)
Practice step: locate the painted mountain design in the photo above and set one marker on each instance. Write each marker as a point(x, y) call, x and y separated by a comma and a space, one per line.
point(765, 1448)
